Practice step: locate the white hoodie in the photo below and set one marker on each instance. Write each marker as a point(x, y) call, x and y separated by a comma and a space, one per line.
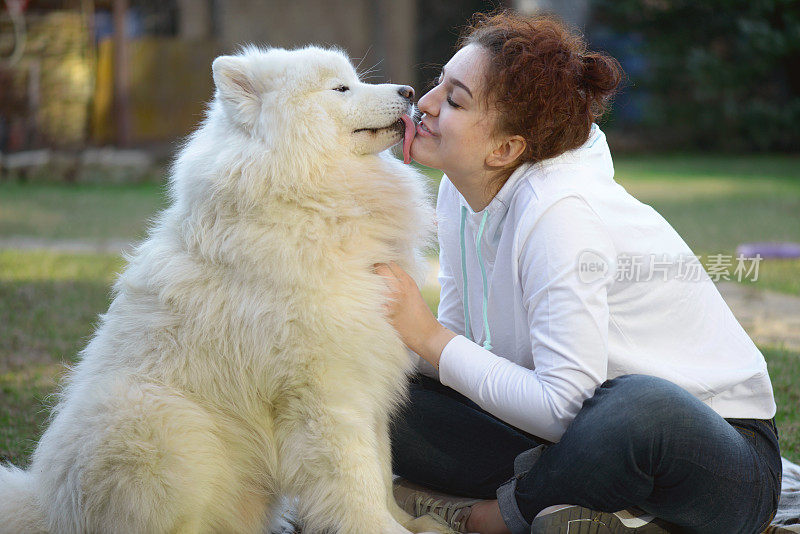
point(553, 294)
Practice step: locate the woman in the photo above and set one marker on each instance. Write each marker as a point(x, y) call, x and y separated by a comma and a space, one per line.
point(572, 316)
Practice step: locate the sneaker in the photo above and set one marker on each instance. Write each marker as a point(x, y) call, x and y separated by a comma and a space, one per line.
point(418, 501)
point(782, 529)
point(569, 518)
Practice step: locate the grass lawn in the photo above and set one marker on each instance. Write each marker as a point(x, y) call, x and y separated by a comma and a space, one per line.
point(717, 204)
point(96, 212)
point(49, 301)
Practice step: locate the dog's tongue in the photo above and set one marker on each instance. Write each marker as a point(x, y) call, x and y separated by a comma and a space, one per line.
point(410, 132)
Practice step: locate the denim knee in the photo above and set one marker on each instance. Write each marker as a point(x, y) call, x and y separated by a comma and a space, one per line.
point(646, 389)
point(640, 401)
point(645, 383)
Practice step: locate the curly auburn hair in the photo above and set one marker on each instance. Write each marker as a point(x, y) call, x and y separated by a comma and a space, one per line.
point(545, 84)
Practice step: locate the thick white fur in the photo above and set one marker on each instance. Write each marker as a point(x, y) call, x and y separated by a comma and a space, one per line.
point(245, 355)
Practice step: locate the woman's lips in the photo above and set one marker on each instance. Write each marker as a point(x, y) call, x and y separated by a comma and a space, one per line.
point(423, 130)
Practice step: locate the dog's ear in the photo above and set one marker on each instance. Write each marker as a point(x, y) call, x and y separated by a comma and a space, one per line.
point(235, 87)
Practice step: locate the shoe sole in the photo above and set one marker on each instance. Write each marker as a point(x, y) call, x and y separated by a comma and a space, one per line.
point(579, 520)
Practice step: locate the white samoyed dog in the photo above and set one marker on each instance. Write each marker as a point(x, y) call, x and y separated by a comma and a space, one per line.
point(246, 355)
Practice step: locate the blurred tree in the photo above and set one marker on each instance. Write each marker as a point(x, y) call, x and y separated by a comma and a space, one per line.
point(723, 73)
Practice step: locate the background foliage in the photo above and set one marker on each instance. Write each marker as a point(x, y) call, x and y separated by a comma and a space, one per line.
point(718, 74)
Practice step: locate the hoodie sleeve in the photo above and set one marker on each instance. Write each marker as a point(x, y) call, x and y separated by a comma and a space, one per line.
point(568, 321)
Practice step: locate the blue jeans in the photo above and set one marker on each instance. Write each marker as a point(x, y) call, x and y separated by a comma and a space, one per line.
point(639, 441)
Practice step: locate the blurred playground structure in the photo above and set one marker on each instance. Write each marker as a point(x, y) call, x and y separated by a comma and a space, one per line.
point(84, 81)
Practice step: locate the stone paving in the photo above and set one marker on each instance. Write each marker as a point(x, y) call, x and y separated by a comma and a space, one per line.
point(771, 318)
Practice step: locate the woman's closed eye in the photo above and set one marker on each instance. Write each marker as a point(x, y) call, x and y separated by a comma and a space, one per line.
point(439, 80)
point(451, 103)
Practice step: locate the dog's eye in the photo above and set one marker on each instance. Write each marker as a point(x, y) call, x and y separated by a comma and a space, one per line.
point(342, 88)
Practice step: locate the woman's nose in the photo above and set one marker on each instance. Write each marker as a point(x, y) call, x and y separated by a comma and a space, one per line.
point(426, 104)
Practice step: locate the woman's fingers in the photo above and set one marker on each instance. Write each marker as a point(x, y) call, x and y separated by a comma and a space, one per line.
point(388, 275)
point(395, 269)
point(393, 286)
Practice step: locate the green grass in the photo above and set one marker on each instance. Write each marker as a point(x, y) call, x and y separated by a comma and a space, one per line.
point(52, 211)
point(778, 275)
point(49, 304)
point(689, 167)
point(716, 203)
point(784, 370)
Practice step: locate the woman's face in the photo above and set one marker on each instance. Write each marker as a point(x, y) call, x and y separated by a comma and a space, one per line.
point(455, 133)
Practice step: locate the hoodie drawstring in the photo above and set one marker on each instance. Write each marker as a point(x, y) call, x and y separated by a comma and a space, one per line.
point(465, 295)
point(487, 344)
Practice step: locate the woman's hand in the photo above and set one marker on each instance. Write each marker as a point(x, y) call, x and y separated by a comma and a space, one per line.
point(410, 315)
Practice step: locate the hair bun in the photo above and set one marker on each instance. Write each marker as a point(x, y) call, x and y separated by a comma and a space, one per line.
point(602, 73)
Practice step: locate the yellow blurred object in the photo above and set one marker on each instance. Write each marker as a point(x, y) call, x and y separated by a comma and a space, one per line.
point(170, 82)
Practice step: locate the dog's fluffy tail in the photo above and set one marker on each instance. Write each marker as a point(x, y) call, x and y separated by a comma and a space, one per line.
point(20, 510)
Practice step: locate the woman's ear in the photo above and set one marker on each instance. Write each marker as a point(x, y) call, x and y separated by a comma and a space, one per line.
point(507, 152)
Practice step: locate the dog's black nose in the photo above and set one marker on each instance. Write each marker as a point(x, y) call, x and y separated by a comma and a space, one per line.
point(406, 91)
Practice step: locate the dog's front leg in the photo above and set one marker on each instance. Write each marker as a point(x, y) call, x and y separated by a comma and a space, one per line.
point(340, 481)
point(385, 460)
point(419, 524)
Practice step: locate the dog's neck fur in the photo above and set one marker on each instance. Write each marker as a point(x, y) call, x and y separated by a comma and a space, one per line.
point(316, 202)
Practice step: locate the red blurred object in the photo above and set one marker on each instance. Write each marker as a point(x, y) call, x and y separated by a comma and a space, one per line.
point(16, 6)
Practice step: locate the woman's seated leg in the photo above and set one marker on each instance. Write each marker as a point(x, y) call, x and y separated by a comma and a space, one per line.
point(442, 440)
point(643, 441)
